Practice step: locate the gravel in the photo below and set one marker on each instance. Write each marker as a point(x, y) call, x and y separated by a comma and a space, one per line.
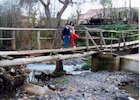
point(102, 85)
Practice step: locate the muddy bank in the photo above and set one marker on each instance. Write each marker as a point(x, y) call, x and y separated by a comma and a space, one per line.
point(102, 85)
point(81, 85)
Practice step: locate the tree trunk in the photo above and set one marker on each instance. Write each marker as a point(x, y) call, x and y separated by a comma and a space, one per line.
point(49, 20)
point(59, 66)
point(57, 36)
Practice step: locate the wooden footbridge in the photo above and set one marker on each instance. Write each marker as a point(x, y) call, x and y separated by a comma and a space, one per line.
point(96, 41)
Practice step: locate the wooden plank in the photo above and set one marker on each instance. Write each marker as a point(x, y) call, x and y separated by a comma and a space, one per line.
point(119, 42)
point(114, 31)
point(23, 61)
point(123, 39)
point(111, 41)
point(55, 38)
point(87, 39)
point(43, 38)
point(98, 30)
point(132, 35)
point(103, 38)
point(31, 52)
point(95, 37)
point(7, 38)
point(38, 40)
point(93, 41)
point(80, 30)
point(135, 30)
point(13, 41)
point(122, 44)
point(26, 29)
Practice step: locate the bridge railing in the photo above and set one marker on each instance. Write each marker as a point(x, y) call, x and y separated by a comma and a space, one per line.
point(100, 39)
point(14, 31)
point(109, 39)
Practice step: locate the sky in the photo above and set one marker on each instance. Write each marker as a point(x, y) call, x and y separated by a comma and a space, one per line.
point(87, 6)
point(70, 10)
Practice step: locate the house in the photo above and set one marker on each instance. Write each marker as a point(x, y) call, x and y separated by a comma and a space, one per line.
point(95, 16)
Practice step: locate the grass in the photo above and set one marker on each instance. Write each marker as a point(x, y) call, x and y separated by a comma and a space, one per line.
point(86, 67)
point(62, 81)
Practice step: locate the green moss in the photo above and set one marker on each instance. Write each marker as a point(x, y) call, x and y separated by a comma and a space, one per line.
point(63, 80)
point(58, 74)
point(86, 67)
point(77, 69)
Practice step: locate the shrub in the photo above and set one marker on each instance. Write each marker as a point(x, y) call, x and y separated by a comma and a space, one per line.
point(86, 67)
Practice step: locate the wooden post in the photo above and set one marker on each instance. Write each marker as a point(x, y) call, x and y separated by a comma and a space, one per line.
point(87, 39)
point(54, 40)
point(89, 36)
point(38, 40)
point(95, 62)
point(119, 42)
point(123, 39)
point(1, 42)
point(111, 41)
point(102, 40)
point(59, 66)
point(13, 41)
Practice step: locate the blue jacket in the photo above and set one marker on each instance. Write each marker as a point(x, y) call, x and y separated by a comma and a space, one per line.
point(66, 31)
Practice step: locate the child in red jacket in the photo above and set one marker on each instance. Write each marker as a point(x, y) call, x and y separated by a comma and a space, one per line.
point(73, 36)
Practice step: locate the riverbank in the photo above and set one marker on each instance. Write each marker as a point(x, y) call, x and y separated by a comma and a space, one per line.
point(80, 85)
point(101, 85)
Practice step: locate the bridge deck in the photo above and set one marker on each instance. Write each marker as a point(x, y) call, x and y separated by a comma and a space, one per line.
point(55, 51)
point(48, 51)
point(23, 61)
point(122, 44)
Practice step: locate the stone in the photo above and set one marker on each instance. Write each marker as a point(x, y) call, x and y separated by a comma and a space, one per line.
point(37, 90)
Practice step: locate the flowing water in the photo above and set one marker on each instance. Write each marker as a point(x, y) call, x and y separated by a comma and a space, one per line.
point(131, 89)
point(10, 95)
point(51, 67)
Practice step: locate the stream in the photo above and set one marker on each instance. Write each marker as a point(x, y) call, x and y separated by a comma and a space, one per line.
point(51, 67)
point(92, 80)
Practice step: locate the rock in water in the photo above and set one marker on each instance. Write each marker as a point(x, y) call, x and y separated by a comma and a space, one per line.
point(37, 90)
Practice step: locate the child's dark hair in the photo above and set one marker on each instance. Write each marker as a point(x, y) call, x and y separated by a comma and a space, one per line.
point(71, 23)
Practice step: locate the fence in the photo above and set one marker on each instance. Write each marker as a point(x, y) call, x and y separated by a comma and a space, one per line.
point(100, 38)
point(124, 36)
point(38, 34)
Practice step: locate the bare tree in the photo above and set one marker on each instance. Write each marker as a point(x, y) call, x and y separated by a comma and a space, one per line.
point(46, 4)
point(78, 8)
point(9, 17)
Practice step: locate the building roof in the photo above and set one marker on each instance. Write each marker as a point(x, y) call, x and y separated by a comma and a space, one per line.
point(98, 13)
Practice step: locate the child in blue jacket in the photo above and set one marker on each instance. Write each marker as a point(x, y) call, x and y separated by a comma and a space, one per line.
point(66, 36)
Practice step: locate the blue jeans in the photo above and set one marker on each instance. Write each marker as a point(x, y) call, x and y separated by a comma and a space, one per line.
point(66, 41)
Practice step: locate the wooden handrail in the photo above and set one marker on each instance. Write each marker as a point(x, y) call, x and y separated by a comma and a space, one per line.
point(113, 32)
point(25, 29)
point(28, 29)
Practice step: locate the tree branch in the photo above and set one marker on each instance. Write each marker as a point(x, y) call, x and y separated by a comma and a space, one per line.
point(43, 3)
point(61, 1)
point(48, 3)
